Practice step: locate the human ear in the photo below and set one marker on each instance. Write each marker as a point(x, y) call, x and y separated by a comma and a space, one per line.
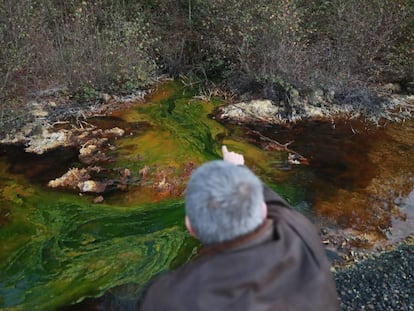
point(189, 227)
point(264, 210)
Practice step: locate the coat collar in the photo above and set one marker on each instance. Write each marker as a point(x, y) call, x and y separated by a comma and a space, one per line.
point(261, 234)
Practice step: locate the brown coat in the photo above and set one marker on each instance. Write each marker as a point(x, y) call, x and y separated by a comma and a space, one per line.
point(280, 266)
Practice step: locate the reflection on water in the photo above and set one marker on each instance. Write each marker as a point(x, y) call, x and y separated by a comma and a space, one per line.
point(356, 171)
point(58, 248)
point(410, 200)
point(41, 168)
point(404, 225)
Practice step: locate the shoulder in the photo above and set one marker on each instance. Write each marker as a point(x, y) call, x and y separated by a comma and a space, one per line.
point(290, 223)
point(281, 211)
point(272, 197)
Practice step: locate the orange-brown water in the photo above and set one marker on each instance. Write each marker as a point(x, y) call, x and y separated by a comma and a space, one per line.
point(361, 177)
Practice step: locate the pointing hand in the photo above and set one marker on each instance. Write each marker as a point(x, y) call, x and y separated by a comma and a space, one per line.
point(232, 157)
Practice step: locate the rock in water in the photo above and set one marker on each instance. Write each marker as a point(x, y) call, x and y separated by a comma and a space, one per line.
point(70, 179)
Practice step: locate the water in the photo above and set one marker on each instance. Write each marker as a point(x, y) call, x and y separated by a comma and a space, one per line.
point(58, 247)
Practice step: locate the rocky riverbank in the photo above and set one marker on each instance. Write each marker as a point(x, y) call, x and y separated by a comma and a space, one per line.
point(383, 282)
point(53, 121)
point(320, 105)
point(47, 108)
point(38, 118)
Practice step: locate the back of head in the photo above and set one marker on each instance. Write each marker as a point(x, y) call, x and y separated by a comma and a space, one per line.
point(223, 201)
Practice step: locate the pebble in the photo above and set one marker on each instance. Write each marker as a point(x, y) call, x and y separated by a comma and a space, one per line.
point(384, 282)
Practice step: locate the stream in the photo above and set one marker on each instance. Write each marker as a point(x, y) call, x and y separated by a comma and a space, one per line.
point(61, 251)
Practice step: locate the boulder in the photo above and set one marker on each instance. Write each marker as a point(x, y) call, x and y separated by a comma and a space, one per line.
point(92, 186)
point(255, 109)
point(70, 179)
point(98, 199)
point(46, 141)
point(87, 151)
point(114, 132)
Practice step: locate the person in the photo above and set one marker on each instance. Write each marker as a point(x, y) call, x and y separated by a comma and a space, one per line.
point(258, 253)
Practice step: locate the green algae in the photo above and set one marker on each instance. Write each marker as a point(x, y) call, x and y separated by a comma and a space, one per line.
point(70, 249)
point(58, 248)
point(180, 134)
point(181, 130)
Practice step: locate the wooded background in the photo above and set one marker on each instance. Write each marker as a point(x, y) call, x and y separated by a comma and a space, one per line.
point(118, 46)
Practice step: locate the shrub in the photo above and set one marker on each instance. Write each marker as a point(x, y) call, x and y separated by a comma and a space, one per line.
point(353, 43)
point(72, 43)
point(119, 45)
point(335, 44)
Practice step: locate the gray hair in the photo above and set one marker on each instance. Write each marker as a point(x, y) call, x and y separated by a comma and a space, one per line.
point(223, 201)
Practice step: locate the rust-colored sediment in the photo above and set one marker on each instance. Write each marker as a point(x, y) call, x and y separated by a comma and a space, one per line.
point(371, 208)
